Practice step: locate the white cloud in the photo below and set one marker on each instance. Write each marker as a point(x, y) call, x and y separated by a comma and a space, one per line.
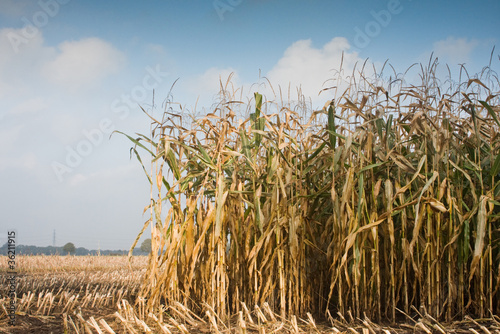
point(310, 68)
point(20, 63)
point(3, 91)
point(73, 66)
point(9, 136)
point(302, 65)
point(30, 106)
point(26, 162)
point(18, 46)
point(207, 85)
point(39, 119)
point(77, 179)
point(10, 158)
point(455, 50)
point(105, 174)
point(83, 63)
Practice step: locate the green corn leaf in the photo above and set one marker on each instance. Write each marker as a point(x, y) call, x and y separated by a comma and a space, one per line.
point(258, 122)
point(496, 166)
point(490, 111)
point(245, 145)
point(331, 126)
point(318, 150)
point(258, 104)
point(172, 163)
point(204, 154)
point(170, 194)
point(371, 166)
point(388, 131)
point(380, 125)
point(140, 161)
point(136, 142)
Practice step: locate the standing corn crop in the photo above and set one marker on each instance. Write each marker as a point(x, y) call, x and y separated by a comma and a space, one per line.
point(377, 203)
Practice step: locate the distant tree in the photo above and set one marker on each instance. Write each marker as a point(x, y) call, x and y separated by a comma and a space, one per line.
point(146, 246)
point(81, 251)
point(115, 253)
point(69, 248)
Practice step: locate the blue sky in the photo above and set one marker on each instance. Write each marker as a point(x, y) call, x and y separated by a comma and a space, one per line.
point(71, 71)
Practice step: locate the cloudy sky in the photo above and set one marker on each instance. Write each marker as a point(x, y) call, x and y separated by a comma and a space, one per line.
point(72, 71)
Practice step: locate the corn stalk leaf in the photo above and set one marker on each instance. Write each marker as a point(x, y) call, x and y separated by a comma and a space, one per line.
point(331, 126)
point(480, 232)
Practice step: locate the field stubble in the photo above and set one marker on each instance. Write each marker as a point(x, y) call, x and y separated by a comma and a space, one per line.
point(91, 294)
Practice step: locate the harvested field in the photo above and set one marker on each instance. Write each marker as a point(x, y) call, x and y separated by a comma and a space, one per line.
point(55, 292)
point(91, 294)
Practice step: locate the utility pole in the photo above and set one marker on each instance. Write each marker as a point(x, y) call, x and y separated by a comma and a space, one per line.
point(54, 238)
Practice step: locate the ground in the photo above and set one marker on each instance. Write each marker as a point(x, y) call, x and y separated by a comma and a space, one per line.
point(95, 294)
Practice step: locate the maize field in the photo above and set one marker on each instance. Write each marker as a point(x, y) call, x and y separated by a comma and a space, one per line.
point(378, 213)
point(383, 204)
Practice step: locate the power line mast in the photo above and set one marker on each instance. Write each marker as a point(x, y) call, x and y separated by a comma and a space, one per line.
point(54, 238)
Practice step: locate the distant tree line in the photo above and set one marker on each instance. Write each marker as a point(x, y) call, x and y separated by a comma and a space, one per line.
point(69, 248)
